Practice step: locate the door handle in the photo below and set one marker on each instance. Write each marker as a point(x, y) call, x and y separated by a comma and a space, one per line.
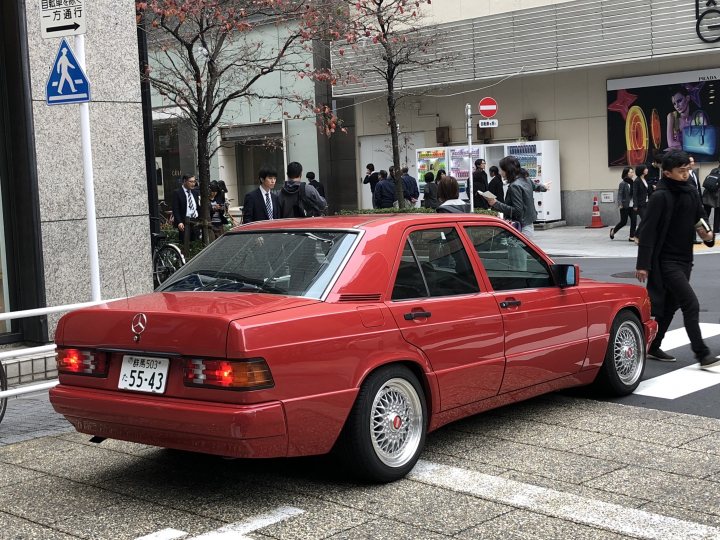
point(416, 315)
point(510, 303)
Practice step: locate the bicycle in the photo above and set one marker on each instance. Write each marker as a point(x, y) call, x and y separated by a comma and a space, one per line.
point(167, 257)
point(165, 213)
point(3, 387)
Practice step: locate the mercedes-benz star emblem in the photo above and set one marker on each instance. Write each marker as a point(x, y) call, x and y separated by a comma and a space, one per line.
point(139, 323)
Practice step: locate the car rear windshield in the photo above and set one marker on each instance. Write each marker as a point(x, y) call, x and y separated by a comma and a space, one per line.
point(297, 263)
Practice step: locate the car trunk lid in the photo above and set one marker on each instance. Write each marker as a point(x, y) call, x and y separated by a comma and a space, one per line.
point(183, 323)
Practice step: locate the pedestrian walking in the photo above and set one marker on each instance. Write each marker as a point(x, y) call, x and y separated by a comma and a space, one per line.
point(625, 204)
point(665, 255)
point(641, 191)
point(711, 197)
point(654, 172)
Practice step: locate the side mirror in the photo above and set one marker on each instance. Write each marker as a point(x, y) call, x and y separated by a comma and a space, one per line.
point(565, 275)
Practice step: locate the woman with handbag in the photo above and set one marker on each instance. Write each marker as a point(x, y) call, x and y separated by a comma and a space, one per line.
point(625, 204)
point(519, 205)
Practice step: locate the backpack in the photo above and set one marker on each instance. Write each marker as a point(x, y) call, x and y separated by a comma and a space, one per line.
point(298, 205)
point(308, 206)
point(711, 181)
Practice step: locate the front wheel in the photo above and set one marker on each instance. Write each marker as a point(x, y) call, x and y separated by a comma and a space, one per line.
point(167, 260)
point(624, 363)
point(386, 429)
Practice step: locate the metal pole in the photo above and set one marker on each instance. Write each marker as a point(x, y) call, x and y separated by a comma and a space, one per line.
point(468, 113)
point(89, 184)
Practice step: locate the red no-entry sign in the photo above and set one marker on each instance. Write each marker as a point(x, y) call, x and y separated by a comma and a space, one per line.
point(488, 107)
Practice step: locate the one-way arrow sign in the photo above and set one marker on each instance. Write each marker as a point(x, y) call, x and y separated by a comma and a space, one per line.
point(55, 29)
point(59, 18)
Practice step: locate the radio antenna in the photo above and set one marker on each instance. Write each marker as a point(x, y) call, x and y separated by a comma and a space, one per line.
point(122, 268)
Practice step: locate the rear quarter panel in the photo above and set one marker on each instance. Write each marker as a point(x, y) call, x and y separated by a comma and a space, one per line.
point(319, 355)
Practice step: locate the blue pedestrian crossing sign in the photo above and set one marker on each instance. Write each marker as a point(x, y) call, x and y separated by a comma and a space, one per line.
point(67, 82)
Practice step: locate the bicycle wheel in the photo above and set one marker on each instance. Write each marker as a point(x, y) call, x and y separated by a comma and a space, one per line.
point(166, 260)
point(3, 387)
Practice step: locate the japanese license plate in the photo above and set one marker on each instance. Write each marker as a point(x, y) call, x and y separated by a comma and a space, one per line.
point(143, 374)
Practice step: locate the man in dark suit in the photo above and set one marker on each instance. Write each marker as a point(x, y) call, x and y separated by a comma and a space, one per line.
point(186, 208)
point(262, 203)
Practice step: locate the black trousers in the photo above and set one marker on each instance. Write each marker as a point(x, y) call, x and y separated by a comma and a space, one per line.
point(679, 294)
point(626, 213)
point(716, 217)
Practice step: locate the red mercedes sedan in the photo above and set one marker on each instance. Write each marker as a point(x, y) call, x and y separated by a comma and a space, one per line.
point(356, 334)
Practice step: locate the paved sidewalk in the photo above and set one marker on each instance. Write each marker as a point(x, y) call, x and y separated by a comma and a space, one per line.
point(29, 417)
point(582, 242)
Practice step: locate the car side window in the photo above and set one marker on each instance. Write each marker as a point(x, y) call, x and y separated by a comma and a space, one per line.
point(509, 262)
point(434, 263)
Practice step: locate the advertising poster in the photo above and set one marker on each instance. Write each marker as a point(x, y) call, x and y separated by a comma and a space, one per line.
point(649, 115)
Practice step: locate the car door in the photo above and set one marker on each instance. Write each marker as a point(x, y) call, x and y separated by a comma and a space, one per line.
point(439, 307)
point(545, 326)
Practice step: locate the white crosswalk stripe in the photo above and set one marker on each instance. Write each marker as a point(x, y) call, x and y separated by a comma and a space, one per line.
point(606, 516)
point(684, 381)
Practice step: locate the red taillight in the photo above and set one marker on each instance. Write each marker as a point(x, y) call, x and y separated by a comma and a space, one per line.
point(249, 374)
point(82, 362)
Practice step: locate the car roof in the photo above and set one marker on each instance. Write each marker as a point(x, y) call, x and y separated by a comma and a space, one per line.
point(364, 221)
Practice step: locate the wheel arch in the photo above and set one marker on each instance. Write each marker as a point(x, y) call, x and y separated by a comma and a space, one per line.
point(426, 379)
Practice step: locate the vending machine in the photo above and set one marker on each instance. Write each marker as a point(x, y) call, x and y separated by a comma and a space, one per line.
point(462, 160)
point(430, 160)
point(542, 161)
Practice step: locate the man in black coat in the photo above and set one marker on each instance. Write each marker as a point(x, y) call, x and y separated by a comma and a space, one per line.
point(261, 203)
point(315, 183)
point(186, 208)
point(372, 178)
point(665, 255)
point(480, 183)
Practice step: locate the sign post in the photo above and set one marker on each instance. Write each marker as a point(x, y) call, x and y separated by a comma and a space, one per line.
point(468, 113)
point(68, 84)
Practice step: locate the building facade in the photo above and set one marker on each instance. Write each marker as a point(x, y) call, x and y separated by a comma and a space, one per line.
point(551, 63)
point(44, 257)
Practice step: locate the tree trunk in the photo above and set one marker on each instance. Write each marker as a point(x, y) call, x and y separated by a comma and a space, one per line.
point(394, 138)
point(203, 151)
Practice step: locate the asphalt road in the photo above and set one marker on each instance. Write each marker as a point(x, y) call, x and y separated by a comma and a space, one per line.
point(705, 280)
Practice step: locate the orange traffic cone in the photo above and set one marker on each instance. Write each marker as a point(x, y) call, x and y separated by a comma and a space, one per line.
point(596, 222)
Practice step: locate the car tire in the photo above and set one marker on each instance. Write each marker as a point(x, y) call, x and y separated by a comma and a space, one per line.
point(385, 431)
point(624, 363)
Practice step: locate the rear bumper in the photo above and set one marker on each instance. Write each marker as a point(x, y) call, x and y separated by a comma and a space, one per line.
point(227, 430)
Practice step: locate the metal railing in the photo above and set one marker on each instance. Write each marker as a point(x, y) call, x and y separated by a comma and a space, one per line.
point(27, 352)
